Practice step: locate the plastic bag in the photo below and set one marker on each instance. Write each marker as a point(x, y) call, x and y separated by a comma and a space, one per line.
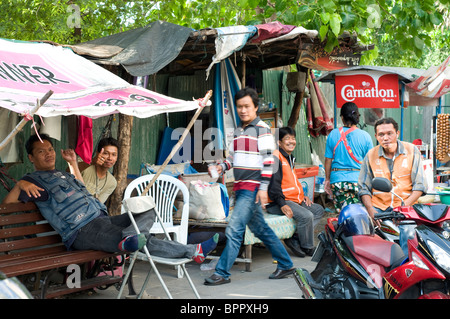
point(205, 201)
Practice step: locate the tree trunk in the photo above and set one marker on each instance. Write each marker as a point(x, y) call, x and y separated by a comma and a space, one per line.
point(295, 113)
point(121, 167)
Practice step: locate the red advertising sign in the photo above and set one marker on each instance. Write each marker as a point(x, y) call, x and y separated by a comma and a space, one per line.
point(368, 90)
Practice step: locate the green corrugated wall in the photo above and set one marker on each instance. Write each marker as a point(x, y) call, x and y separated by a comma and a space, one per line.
point(275, 90)
point(146, 135)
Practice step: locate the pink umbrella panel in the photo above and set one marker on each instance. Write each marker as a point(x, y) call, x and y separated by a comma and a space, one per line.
point(28, 70)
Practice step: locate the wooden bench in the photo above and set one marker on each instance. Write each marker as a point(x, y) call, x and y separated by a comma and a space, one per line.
point(32, 251)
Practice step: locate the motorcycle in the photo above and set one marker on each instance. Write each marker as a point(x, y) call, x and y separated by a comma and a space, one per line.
point(355, 263)
point(12, 288)
point(389, 230)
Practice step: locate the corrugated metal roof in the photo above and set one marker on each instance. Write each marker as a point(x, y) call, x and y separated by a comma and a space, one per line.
point(405, 74)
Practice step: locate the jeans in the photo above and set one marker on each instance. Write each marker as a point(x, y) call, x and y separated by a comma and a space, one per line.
point(307, 217)
point(106, 232)
point(247, 212)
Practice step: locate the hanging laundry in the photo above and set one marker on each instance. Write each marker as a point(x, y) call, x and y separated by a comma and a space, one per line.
point(319, 114)
point(230, 40)
point(85, 142)
point(327, 113)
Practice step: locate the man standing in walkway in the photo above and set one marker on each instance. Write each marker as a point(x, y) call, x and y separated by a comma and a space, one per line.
point(250, 156)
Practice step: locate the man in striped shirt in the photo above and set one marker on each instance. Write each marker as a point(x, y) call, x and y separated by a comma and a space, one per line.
point(252, 162)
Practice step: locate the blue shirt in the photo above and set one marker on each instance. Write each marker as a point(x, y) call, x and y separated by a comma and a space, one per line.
point(359, 141)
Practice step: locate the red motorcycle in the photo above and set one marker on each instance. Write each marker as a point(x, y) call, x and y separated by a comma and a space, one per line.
point(354, 263)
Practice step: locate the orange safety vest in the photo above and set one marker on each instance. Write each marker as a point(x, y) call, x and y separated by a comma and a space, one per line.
point(290, 186)
point(400, 179)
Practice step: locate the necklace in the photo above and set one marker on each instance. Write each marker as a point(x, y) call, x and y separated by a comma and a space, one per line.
point(98, 191)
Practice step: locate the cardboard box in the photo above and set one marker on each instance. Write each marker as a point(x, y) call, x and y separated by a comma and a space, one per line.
point(306, 175)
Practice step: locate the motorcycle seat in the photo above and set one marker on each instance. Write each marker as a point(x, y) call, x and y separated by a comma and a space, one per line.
point(376, 249)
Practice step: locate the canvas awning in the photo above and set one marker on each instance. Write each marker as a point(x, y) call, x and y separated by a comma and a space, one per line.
point(141, 51)
point(404, 74)
point(168, 48)
point(28, 70)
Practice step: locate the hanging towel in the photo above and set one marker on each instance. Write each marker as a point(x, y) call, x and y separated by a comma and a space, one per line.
point(325, 108)
point(85, 139)
point(319, 114)
point(310, 118)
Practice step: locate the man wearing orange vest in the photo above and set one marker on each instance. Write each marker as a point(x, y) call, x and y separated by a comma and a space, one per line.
point(286, 196)
point(398, 161)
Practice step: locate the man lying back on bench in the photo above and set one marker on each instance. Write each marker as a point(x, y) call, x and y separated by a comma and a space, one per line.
point(80, 218)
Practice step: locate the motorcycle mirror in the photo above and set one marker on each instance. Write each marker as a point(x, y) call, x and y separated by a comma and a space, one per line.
point(382, 184)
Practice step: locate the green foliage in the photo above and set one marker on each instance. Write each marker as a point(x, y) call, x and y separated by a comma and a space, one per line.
point(405, 32)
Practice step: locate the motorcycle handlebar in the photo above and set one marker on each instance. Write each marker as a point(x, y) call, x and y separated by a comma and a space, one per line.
point(389, 215)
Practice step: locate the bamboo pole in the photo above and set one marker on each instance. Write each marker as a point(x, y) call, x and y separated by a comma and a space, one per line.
point(180, 142)
point(24, 121)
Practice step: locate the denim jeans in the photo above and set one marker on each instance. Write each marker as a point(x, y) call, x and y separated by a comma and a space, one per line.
point(106, 232)
point(307, 217)
point(247, 212)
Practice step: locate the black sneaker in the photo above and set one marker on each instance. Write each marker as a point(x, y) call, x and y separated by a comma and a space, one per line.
point(309, 251)
point(295, 247)
point(215, 280)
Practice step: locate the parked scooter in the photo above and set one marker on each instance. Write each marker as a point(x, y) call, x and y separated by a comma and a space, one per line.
point(12, 288)
point(388, 230)
point(354, 263)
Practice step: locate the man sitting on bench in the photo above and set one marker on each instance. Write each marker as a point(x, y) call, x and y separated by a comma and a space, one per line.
point(82, 220)
point(97, 178)
point(286, 196)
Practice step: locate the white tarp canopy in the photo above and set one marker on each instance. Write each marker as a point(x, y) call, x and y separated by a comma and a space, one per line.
point(28, 70)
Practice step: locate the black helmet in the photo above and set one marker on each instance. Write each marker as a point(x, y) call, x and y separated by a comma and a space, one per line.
point(355, 220)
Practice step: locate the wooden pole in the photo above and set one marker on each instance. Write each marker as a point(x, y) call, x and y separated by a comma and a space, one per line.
point(180, 142)
point(295, 113)
point(121, 168)
point(24, 121)
point(244, 70)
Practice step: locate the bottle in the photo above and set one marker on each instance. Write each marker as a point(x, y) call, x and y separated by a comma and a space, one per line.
point(320, 180)
point(213, 170)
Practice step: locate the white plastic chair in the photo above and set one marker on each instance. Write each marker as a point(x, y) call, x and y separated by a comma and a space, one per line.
point(164, 191)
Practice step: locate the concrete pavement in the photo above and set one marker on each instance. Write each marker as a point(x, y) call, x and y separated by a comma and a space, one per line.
point(244, 285)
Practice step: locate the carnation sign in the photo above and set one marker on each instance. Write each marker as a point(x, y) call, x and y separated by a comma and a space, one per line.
point(368, 90)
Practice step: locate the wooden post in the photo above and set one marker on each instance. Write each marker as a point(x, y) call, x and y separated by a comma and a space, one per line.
point(295, 113)
point(121, 167)
point(24, 121)
point(244, 70)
